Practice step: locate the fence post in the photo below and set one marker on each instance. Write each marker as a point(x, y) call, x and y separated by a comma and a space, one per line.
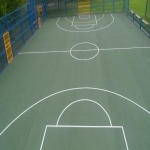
point(56, 12)
point(7, 23)
point(113, 5)
point(46, 9)
point(65, 6)
point(103, 5)
point(123, 5)
point(29, 16)
point(133, 17)
point(21, 25)
point(1, 32)
point(146, 8)
point(141, 22)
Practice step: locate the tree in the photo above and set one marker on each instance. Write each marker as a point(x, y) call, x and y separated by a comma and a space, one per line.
point(7, 6)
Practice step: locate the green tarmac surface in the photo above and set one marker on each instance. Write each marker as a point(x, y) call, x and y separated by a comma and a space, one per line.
point(56, 68)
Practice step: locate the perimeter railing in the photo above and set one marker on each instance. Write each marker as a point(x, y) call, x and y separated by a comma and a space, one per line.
point(138, 20)
point(17, 28)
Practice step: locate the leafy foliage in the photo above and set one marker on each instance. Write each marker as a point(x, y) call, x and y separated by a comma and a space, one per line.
point(7, 6)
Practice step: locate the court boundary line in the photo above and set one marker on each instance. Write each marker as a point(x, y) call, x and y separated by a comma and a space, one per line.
point(88, 30)
point(90, 127)
point(67, 51)
point(66, 90)
point(81, 100)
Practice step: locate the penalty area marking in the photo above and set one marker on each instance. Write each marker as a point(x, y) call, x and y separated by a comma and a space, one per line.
point(88, 30)
point(72, 89)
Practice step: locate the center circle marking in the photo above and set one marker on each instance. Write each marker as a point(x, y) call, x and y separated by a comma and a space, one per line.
point(71, 50)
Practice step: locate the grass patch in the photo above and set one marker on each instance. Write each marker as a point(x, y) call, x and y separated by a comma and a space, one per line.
point(139, 6)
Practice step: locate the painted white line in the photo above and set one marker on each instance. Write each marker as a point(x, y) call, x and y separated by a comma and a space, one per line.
point(81, 44)
point(125, 139)
point(84, 25)
point(77, 27)
point(73, 21)
point(72, 89)
point(76, 126)
point(88, 30)
point(43, 138)
point(85, 22)
point(105, 49)
point(85, 17)
point(84, 100)
point(124, 48)
point(95, 19)
point(44, 52)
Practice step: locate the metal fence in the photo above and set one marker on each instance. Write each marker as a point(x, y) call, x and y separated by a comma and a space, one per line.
point(138, 20)
point(59, 8)
point(19, 25)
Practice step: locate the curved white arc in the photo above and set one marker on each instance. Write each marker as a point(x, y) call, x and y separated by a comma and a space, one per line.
point(79, 88)
point(77, 27)
point(84, 18)
point(86, 31)
point(85, 58)
point(88, 100)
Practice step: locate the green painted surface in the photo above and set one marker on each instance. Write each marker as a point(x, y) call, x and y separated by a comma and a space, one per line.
point(32, 77)
point(84, 138)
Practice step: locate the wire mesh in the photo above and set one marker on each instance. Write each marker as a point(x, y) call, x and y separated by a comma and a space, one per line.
point(21, 25)
point(57, 8)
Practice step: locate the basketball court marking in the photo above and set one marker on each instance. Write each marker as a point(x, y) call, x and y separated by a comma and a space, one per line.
point(91, 26)
point(73, 21)
point(68, 51)
point(84, 22)
point(85, 17)
point(95, 19)
point(91, 50)
point(84, 100)
point(72, 126)
point(74, 24)
point(72, 89)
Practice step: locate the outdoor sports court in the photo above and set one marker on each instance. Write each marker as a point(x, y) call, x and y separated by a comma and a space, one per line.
point(80, 83)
